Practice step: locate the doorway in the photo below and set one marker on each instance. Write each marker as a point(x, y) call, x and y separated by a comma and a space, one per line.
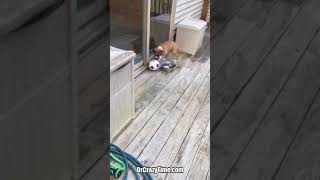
point(139, 25)
point(127, 29)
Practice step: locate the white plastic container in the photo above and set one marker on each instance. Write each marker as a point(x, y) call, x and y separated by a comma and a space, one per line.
point(190, 33)
point(121, 90)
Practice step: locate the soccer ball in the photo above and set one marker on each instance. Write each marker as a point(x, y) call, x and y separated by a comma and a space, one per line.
point(154, 65)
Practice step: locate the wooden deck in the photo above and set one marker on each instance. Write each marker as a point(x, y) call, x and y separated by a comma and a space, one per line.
point(171, 127)
point(266, 78)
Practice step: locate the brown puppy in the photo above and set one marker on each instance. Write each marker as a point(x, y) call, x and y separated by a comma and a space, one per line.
point(165, 48)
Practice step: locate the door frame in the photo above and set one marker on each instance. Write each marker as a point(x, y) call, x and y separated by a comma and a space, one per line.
point(146, 30)
point(146, 8)
point(172, 19)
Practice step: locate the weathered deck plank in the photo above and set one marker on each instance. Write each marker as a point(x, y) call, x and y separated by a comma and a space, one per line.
point(226, 9)
point(222, 13)
point(237, 30)
point(277, 130)
point(167, 136)
point(234, 132)
point(145, 94)
point(188, 150)
point(178, 83)
point(178, 100)
point(171, 150)
point(302, 160)
point(153, 81)
point(239, 69)
point(200, 166)
point(171, 110)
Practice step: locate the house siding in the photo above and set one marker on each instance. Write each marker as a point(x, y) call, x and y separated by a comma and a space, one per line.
point(188, 8)
point(185, 9)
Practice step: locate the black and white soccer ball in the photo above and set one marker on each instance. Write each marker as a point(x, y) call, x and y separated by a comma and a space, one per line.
point(154, 65)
